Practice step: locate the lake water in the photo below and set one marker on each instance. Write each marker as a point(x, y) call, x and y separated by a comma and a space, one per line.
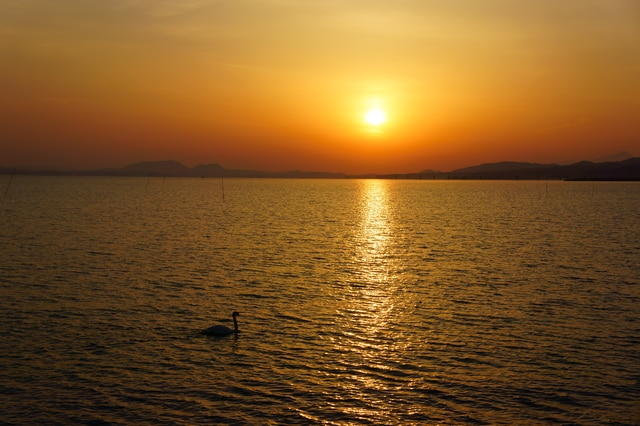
point(361, 301)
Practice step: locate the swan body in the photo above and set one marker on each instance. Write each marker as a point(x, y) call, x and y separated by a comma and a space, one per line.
point(222, 330)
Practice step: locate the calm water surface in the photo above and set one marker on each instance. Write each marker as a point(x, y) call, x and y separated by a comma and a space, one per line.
point(361, 302)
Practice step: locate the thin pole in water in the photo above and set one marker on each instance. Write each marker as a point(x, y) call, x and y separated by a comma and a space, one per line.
point(222, 185)
point(8, 185)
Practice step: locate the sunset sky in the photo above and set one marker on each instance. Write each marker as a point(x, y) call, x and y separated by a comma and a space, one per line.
point(333, 85)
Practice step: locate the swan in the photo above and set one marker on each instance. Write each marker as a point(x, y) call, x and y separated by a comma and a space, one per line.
point(223, 330)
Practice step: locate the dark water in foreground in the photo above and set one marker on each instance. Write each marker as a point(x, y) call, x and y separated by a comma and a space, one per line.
point(361, 301)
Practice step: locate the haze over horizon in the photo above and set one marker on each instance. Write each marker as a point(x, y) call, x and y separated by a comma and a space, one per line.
point(355, 87)
point(173, 165)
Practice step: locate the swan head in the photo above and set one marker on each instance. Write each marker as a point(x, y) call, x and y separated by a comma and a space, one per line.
point(235, 314)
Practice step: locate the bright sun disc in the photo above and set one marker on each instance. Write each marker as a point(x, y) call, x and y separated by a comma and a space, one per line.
point(375, 117)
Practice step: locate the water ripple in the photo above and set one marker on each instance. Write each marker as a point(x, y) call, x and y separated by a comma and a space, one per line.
point(362, 302)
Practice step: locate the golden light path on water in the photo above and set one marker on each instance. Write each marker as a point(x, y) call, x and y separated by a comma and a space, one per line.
point(370, 341)
point(372, 255)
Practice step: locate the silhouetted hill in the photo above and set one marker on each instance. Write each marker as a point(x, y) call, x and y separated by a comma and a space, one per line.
point(614, 170)
point(584, 170)
point(628, 169)
point(501, 167)
point(618, 156)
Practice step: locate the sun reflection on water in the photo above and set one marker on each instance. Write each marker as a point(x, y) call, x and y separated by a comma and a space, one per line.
point(375, 226)
point(369, 301)
point(373, 277)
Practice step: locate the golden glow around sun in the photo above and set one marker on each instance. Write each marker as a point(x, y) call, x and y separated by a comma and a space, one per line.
point(375, 117)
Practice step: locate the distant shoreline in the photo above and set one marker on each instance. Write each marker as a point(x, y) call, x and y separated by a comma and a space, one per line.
point(615, 171)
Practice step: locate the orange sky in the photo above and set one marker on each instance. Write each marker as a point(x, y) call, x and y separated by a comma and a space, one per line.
point(284, 84)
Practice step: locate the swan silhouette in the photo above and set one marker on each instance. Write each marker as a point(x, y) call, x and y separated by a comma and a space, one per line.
point(223, 330)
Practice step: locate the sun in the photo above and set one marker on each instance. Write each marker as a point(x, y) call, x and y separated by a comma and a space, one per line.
point(375, 117)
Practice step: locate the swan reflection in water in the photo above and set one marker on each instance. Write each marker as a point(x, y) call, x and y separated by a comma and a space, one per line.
point(223, 330)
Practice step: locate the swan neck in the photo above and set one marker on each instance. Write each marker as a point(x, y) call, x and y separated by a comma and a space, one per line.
point(235, 324)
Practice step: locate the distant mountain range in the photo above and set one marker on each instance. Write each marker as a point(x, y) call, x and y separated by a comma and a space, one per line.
point(624, 170)
point(628, 169)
